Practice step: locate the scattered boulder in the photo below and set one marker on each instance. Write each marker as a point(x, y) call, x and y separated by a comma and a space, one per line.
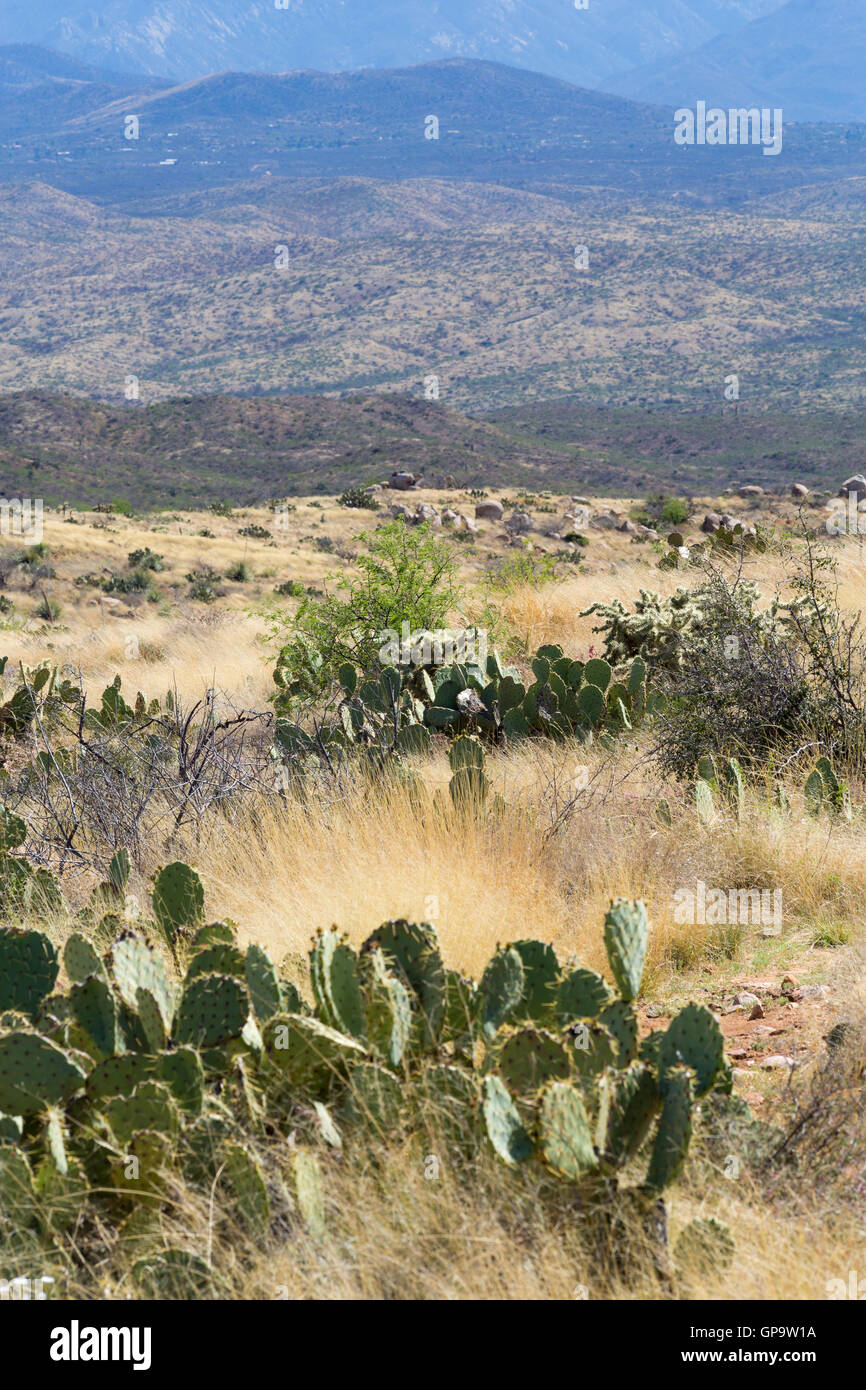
point(425, 511)
point(799, 490)
point(855, 484)
point(745, 998)
point(779, 1062)
point(489, 510)
point(519, 522)
point(464, 524)
point(448, 517)
point(605, 521)
point(648, 533)
point(404, 481)
point(628, 527)
point(397, 509)
point(582, 501)
point(751, 490)
point(711, 522)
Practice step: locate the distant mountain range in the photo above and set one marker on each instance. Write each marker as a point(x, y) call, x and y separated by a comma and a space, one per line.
point(808, 58)
point(496, 124)
point(184, 38)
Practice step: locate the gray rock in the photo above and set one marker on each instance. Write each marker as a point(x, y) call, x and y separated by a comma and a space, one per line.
point(711, 522)
point(799, 490)
point(751, 490)
point(490, 510)
point(404, 481)
point(856, 483)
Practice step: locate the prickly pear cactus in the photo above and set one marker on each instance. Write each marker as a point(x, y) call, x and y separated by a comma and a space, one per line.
point(626, 934)
point(178, 899)
point(28, 969)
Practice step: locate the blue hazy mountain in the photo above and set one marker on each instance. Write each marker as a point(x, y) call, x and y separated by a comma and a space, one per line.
point(807, 57)
point(185, 39)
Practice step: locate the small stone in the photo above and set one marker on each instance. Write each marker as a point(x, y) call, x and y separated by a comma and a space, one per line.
point(812, 992)
point(746, 999)
point(799, 490)
point(778, 1062)
point(756, 1011)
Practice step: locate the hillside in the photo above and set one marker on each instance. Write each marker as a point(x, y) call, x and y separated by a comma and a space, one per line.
point(196, 450)
point(497, 124)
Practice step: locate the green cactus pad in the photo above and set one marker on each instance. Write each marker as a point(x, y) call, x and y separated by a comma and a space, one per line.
point(219, 959)
point(528, 1058)
point(633, 1104)
point(813, 793)
point(515, 724)
point(581, 994)
point(214, 934)
point(626, 934)
point(250, 1193)
point(262, 983)
point(151, 1107)
point(135, 965)
point(461, 1006)
point(119, 1076)
point(695, 1039)
point(35, 1074)
point(95, 1009)
point(501, 989)
point(387, 1008)
point(540, 980)
point(449, 1104)
point(592, 1049)
point(564, 1138)
point(213, 1010)
point(308, 1050)
point(704, 805)
point(674, 1132)
point(178, 898)
point(466, 752)
point(597, 672)
point(183, 1074)
point(590, 704)
point(375, 1099)
point(81, 959)
point(504, 1128)
point(620, 1019)
point(415, 948)
point(151, 1020)
point(28, 969)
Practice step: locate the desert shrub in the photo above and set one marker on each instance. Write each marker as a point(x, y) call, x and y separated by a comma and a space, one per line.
point(290, 588)
point(740, 684)
point(47, 609)
point(407, 576)
point(145, 559)
point(357, 497)
point(202, 584)
point(754, 682)
point(522, 568)
point(239, 572)
point(133, 583)
point(660, 509)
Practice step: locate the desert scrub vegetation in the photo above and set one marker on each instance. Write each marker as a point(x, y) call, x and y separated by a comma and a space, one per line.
point(453, 1080)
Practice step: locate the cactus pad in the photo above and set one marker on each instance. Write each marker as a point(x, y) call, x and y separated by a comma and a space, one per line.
point(35, 1074)
point(626, 933)
point(28, 969)
point(563, 1132)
